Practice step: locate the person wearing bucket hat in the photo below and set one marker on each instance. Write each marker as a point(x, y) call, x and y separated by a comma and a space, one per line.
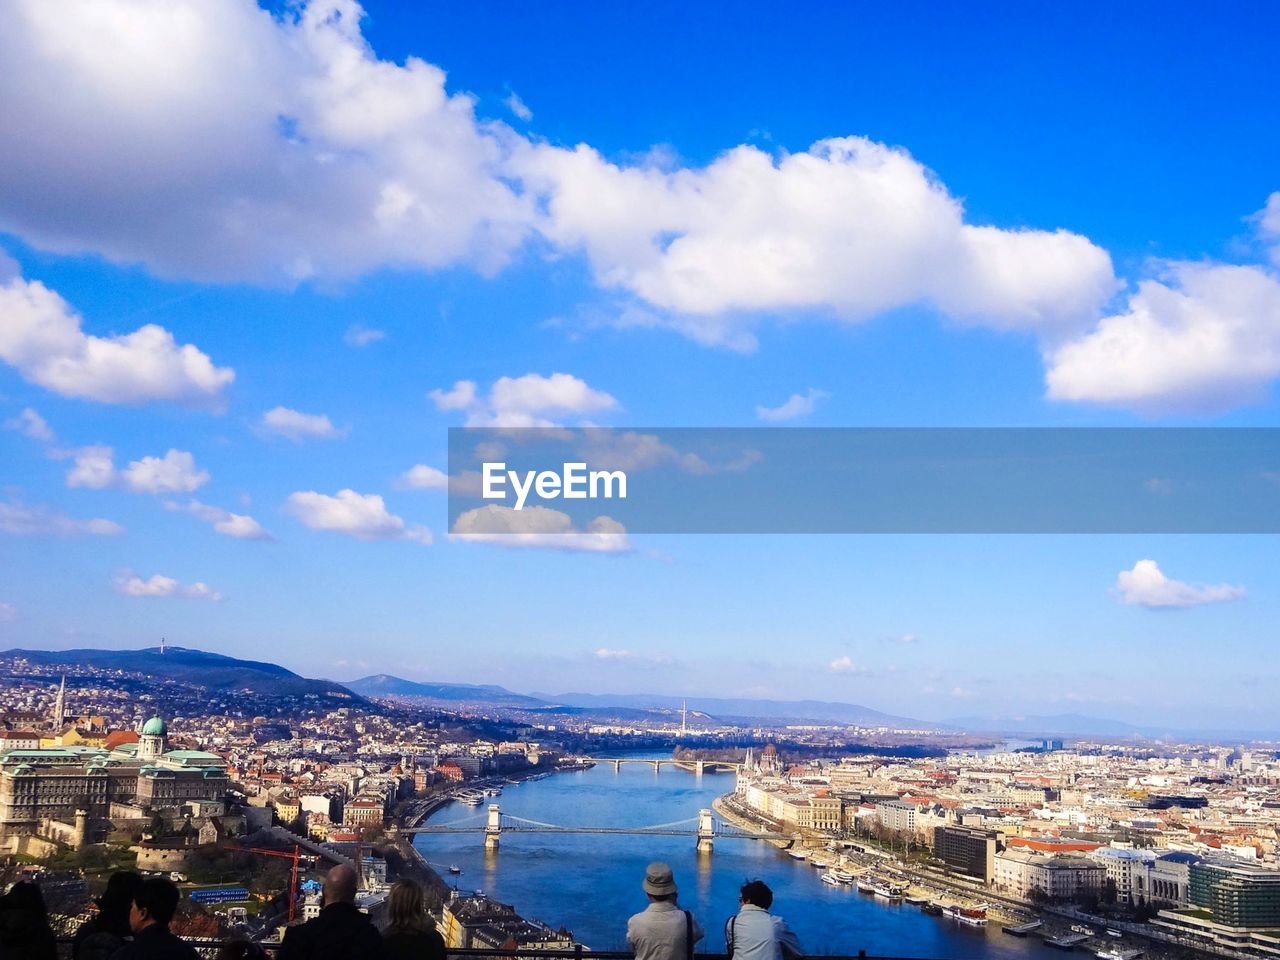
point(662, 931)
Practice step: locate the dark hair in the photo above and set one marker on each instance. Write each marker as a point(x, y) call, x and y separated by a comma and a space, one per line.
point(159, 897)
point(756, 892)
point(25, 895)
point(122, 887)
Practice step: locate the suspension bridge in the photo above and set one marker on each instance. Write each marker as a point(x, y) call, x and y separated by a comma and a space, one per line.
point(704, 827)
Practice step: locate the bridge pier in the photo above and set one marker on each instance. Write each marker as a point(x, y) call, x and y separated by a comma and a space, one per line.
point(493, 830)
point(698, 767)
point(617, 765)
point(706, 831)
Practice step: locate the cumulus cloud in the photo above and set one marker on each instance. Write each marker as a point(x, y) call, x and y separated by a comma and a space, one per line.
point(526, 401)
point(299, 426)
point(157, 585)
point(850, 227)
point(31, 424)
point(797, 405)
point(20, 519)
point(236, 525)
point(238, 145)
point(360, 515)
point(422, 477)
point(1146, 585)
point(1198, 337)
point(358, 336)
point(176, 472)
point(1268, 225)
point(41, 337)
point(538, 527)
point(847, 666)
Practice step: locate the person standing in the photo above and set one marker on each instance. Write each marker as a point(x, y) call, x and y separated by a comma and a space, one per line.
point(154, 904)
point(410, 934)
point(753, 933)
point(341, 932)
point(108, 930)
point(662, 931)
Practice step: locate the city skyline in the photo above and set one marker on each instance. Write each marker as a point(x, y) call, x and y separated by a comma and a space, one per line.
point(237, 321)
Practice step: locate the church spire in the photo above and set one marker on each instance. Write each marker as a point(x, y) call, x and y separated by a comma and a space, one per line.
point(60, 703)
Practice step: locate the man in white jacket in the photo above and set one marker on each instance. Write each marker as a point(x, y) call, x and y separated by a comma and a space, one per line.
point(753, 933)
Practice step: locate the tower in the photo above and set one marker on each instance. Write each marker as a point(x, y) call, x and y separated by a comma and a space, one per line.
point(162, 646)
point(684, 716)
point(152, 742)
point(60, 704)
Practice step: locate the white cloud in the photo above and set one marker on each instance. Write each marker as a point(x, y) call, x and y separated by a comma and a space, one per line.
point(962, 693)
point(22, 520)
point(175, 472)
point(518, 107)
point(241, 146)
point(1200, 337)
point(31, 424)
point(846, 665)
point(850, 227)
point(908, 638)
point(797, 405)
point(41, 337)
point(1146, 585)
point(359, 515)
point(93, 467)
point(422, 477)
point(8, 613)
point(299, 426)
point(236, 525)
point(526, 401)
point(358, 336)
point(157, 585)
point(535, 527)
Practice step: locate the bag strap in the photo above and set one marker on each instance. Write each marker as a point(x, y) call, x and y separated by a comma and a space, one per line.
point(688, 935)
point(728, 936)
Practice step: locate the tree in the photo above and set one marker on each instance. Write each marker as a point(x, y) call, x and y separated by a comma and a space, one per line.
point(1109, 892)
point(1037, 895)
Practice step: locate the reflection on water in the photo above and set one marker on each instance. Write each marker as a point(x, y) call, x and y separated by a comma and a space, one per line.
point(590, 883)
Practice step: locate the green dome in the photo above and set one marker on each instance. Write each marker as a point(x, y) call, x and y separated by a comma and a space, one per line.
point(154, 728)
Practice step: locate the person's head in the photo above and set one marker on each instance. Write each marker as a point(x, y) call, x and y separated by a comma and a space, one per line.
point(340, 885)
point(25, 896)
point(118, 897)
point(406, 909)
point(659, 883)
point(155, 903)
point(757, 893)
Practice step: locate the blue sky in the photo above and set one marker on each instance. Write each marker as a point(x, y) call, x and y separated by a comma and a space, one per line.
point(933, 216)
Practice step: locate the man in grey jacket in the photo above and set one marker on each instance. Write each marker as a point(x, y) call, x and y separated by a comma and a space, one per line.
point(753, 933)
point(662, 931)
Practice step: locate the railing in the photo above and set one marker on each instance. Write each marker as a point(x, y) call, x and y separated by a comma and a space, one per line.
point(209, 948)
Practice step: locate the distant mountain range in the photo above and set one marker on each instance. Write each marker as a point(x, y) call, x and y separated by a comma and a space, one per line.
point(816, 711)
point(1061, 724)
point(212, 671)
point(385, 685)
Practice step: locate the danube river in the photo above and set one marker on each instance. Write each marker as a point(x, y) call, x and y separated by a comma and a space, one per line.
point(590, 883)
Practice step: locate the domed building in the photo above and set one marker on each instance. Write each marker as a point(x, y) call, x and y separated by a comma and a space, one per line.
point(135, 780)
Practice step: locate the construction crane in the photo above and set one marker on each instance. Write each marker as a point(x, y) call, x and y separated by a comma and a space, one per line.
point(297, 856)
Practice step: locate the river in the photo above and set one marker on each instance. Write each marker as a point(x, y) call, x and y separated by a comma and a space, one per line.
point(590, 883)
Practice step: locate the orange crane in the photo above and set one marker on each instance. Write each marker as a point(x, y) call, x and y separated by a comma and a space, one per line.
point(296, 857)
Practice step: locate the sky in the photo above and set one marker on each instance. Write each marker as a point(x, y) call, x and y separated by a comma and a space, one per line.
point(255, 262)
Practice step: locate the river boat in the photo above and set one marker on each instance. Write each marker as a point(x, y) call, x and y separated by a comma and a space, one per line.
point(831, 879)
point(969, 916)
point(916, 901)
point(844, 876)
point(932, 909)
point(866, 885)
point(454, 868)
point(887, 890)
point(797, 855)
